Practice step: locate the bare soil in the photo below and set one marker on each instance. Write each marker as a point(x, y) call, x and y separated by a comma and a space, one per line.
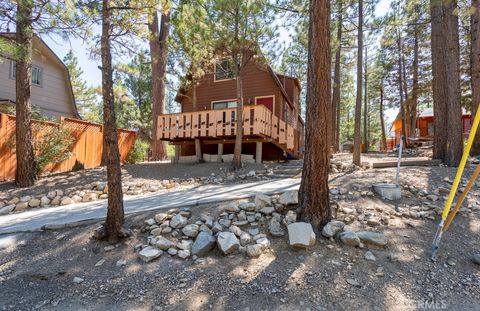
point(37, 269)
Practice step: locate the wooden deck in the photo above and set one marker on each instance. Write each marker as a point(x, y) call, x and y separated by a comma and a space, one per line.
point(259, 124)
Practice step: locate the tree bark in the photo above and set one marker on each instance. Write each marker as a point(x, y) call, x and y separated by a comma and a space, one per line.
point(159, 54)
point(414, 102)
point(475, 67)
point(336, 84)
point(365, 107)
point(401, 90)
point(383, 143)
point(358, 103)
point(237, 154)
point(26, 173)
point(314, 194)
point(454, 115)
point(439, 83)
point(115, 214)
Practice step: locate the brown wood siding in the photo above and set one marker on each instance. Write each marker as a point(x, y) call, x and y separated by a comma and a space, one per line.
point(257, 81)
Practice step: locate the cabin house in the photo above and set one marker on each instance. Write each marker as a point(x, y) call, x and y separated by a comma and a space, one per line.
point(51, 89)
point(272, 126)
point(424, 127)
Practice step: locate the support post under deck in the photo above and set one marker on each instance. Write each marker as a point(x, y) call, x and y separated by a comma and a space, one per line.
point(258, 153)
point(176, 157)
point(220, 153)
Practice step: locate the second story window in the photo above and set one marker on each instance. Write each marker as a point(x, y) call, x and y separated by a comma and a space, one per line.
point(224, 70)
point(36, 73)
point(224, 105)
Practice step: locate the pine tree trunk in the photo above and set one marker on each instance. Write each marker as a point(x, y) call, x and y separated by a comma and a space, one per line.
point(365, 107)
point(475, 67)
point(358, 103)
point(414, 103)
point(159, 54)
point(314, 194)
point(439, 83)
point(26, 173)
point(401, 91)
point(336, 85)
point(382, 121)
point(454, 114)
point(115, 214)
point(237, 154)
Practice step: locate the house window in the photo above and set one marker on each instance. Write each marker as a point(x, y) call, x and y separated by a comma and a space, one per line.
point(224, 70)
point(36, 73)
point(224, 105)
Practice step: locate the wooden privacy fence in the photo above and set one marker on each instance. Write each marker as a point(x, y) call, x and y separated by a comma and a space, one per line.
point(257, 121)
point(86, 151)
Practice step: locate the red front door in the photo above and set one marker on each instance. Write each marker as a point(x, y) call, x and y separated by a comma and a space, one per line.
point(267, 102)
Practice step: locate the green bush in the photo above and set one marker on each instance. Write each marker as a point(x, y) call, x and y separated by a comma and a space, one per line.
point(54, 147)
point(138, 152)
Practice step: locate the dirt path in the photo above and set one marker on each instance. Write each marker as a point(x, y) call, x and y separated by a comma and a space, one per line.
point(37, 269)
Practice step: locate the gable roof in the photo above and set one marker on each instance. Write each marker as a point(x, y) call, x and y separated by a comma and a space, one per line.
point(37, 40)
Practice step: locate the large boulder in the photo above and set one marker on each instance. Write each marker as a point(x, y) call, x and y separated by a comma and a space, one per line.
point(332, 228)
point(178, 221)
point(227, 242)
point(301, 235)
point(149, 253)
point(162, 243)
point(275, 227)
point(7, 209)
point(203, 244)
point(289, 198)
point(374, 238)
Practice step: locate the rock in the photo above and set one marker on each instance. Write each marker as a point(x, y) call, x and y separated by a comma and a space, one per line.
point(245, 239)
point(275, 228)
point(51, 194)
point(267, 210)
point(76, 198)
point(34, 203)
point(7, 209)
point(203, 244)
point(185, 244)
point(227, 242)
point(301, 235)
point(476, 259)
point(370, 256)
point(373, 222)
point(56, 200)
point(100, 262)
point(378, 239)
point(217, 227)
point(255, 250)
point(21, 206)
point(121, 263)
point(232, 207)
point(150, 222)
point(77, 280)
point(149, 253)
point(178, 221)
point(432, 197)
point(264, 242)
point(66, 201)
point(109, 248)
point(162, 243)
point(160, 217)
point(225, 222)
point(332, 228)
point(240, 223)
point(350, 238)
point(25, 198)
point(14, 200)
point(44, 201)
point(172, 251)
point(191, 230)
point(289, 198)
point(262, 201)
point(247, 206)
point(235, 230)
point(89, 197)
point(183, 253)
point(348, 210)
point(353, 282)
point(291, 217)
point(156, 231)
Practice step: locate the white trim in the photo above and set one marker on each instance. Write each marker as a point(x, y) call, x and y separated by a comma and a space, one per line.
point(267, 96)
point(215, 72)
point(12, 77)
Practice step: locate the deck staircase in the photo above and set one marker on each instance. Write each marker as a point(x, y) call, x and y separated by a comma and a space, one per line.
point(289, 169)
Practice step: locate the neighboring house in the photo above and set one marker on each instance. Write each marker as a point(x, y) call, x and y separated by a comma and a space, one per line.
point(424, 126)
point(273, 128)
point(51, 88)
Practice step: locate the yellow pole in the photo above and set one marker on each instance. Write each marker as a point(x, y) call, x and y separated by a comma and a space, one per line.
point(461, 167)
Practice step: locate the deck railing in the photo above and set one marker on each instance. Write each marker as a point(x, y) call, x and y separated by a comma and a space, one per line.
point(257, 121)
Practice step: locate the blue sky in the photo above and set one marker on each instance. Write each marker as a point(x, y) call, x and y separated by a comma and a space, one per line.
point(92, 74)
